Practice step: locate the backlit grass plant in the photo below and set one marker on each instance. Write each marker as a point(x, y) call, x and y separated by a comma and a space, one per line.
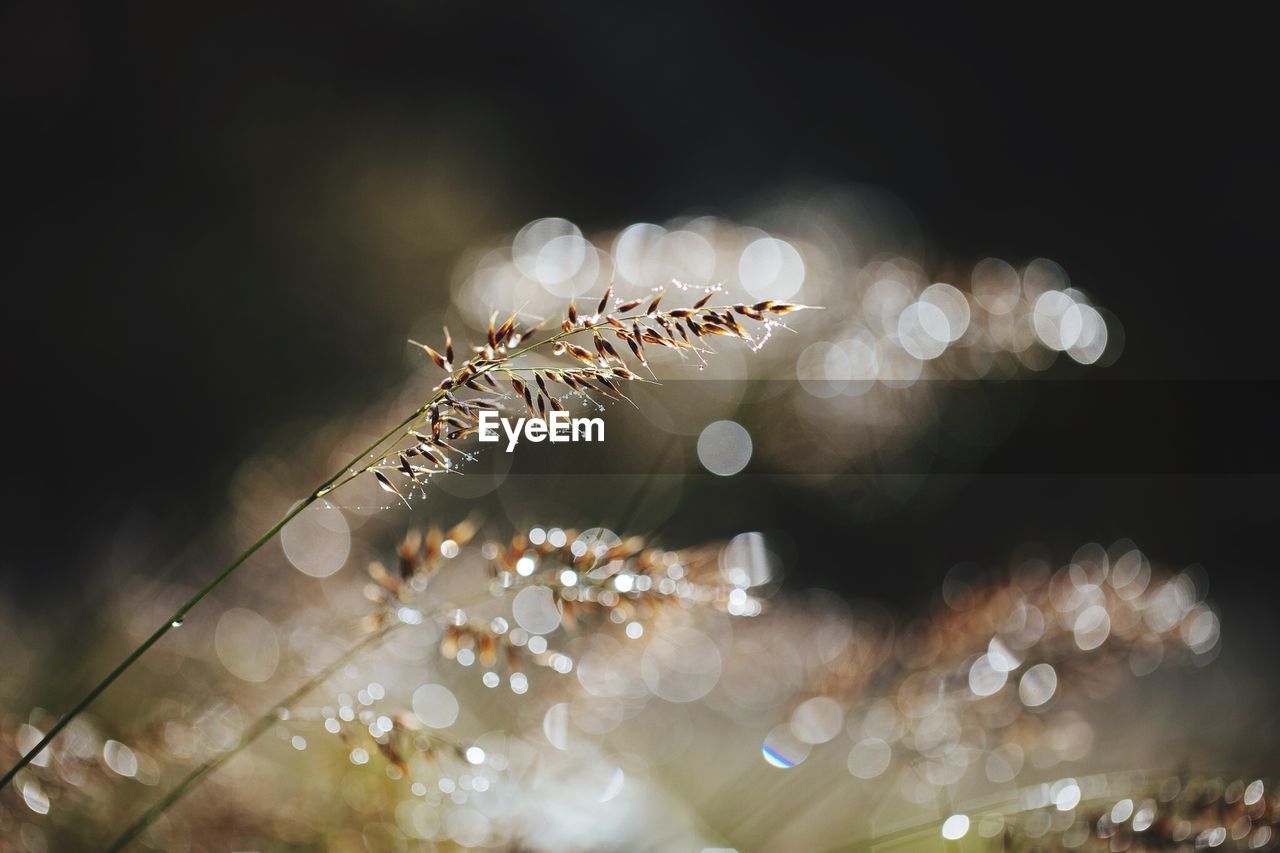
point(594, 349)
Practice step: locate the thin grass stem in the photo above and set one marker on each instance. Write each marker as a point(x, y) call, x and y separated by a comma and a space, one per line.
point(179, 615)
point(357, 466)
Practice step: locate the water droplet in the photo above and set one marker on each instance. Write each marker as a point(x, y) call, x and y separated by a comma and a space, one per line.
point(176, 623)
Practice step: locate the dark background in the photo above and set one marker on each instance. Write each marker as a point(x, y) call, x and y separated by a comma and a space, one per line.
point(224, 220)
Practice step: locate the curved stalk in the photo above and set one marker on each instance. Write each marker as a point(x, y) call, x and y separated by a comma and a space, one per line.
point(357, 466)
point(178, 615)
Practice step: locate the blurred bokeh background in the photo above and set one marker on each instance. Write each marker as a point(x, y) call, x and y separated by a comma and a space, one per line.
point(225, 223)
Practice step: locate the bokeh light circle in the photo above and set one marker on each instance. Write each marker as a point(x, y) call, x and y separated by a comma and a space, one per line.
point(782, 749)
point(247, 645)
point(534, 608)
point(724, 448)
point(318, 540)
point(869, 758)
point(681, 665)
point(435, 705)
point(770, 268)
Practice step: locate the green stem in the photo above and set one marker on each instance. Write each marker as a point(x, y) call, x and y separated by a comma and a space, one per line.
point(178, 615)
point(264, 723)
point(343, 476)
